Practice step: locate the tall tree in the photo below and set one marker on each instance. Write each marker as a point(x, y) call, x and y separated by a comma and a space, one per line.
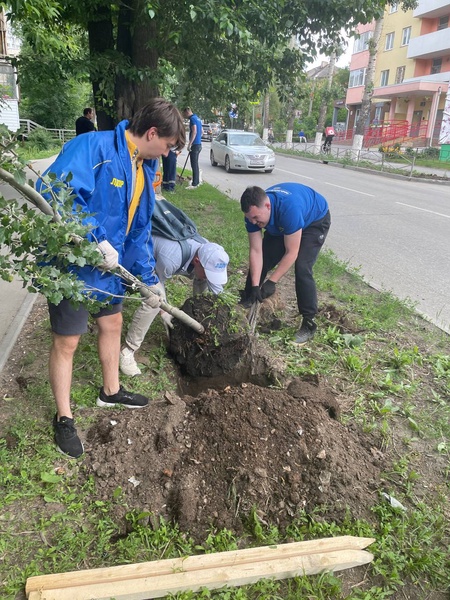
point(369, 84)
point(224, 49)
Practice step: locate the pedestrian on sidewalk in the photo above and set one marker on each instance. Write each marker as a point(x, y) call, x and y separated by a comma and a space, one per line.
point(296, 220)
point(194, 145)
point(85, 123)
point(206, 265)
point(112, 175)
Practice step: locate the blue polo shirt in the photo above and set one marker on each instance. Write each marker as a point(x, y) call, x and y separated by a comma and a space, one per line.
point(194, 120)
point(293, 207)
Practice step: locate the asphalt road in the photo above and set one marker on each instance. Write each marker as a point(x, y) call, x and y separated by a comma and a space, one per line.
point(396, 232)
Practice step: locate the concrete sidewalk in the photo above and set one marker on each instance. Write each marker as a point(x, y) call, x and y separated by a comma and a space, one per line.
point(15, 302)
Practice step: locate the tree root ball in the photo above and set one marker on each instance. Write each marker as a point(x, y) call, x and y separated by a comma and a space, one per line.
point(225, 343)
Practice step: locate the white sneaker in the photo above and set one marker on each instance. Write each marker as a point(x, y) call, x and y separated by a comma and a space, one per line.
point(127, 363)
point(191, 187)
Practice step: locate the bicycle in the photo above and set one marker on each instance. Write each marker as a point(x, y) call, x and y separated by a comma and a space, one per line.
point(326, 146)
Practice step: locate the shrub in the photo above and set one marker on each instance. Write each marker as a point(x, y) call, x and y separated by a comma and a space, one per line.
point(41, 139)
point(429, 153)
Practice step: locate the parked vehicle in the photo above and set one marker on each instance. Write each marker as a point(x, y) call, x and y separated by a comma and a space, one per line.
point(206, 132)
point(240, 150)
point(209, 131)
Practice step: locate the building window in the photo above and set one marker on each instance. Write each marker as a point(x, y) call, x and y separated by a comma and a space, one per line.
point(443, 22)
point(362, 42)
point(393, 7)
point(400, 74)
point(406, 35)
point(357, 78)
point(8, 88)
point(378, 115)
point(436, 65)
point(384, 78)
point(389, 41)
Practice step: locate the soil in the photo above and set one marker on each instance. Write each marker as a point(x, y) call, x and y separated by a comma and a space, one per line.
point(239, 435)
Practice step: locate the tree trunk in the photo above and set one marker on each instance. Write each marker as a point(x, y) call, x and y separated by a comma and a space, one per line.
point(101, 40)
point(141, 51)
point(266, 116)
point(368, 87)
point(324, 105)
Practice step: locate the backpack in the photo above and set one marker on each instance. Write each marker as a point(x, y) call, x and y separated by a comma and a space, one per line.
point(170, 222)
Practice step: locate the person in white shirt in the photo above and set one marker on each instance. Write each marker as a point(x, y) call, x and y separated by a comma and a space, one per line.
point(206, 266)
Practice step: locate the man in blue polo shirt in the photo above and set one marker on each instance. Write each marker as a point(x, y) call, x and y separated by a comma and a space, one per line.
point(296, 220)
point(194, 145)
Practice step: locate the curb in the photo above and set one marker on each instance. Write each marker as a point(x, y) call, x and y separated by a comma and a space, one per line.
point(13, 332)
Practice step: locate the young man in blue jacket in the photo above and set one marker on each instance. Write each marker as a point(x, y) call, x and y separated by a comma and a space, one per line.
point(296, 220)
point(112, 175)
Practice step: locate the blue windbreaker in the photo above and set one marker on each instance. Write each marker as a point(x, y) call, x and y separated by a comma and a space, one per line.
point(100, 165)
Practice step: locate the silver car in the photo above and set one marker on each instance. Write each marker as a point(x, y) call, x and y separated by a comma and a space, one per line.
point(241, 151)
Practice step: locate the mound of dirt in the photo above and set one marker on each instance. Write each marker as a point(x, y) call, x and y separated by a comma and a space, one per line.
point(206, 461)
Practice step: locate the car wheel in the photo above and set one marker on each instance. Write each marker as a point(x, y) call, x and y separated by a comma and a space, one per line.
point(211, 158)
point(227, 164)
point(268, 171)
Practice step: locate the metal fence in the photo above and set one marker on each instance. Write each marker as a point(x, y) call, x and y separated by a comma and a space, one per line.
point(61, 135)
point(383, 161)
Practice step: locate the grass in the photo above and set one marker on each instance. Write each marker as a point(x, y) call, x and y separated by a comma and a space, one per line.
point(393, 369)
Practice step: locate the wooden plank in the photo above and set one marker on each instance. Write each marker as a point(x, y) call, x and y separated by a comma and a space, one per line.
point(157, 578)
point(159, 586)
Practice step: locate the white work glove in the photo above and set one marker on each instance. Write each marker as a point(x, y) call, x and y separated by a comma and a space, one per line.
point(110, 256)
point(167, 320)
point(154, 300)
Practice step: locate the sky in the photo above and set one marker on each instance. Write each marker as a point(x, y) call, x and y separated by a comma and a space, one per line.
point(344, 60)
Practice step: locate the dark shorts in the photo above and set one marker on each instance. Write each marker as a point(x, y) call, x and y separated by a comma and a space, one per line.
point(66, 319)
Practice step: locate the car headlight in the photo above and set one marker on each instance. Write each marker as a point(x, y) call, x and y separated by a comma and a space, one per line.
point(238, 155)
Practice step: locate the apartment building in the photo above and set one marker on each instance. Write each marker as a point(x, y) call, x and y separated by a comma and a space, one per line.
point(412, 70)
point(9, 92)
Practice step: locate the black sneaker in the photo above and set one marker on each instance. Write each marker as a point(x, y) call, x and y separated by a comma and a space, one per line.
point(306, 332)
point(122, 398)
point(66, 437)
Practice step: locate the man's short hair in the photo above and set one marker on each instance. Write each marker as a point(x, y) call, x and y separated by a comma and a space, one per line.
point(253, 196)
point(163, 115)
point(87, 110)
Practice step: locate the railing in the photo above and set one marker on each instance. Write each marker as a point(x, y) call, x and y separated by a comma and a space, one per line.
point(62, 135)
point(382, 161)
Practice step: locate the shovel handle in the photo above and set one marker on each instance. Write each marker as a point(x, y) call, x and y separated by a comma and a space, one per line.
point(145, 292)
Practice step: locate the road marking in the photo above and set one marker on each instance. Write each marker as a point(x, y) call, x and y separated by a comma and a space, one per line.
point(349, 189)
point(326, 183)
point(296, 174)
point(424, 210)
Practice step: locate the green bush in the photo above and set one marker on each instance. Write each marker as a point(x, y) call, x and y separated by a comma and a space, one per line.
point(41, 139)
point(429, 153)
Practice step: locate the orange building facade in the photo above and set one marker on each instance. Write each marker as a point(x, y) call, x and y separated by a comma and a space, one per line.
point(412, 72)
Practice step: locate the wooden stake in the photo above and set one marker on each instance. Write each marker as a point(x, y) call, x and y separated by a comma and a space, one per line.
point(234, 568)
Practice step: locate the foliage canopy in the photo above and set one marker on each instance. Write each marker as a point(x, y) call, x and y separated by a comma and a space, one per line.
point(226, 52)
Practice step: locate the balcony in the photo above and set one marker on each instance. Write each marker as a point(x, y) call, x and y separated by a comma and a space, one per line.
point(431, 9)
point(430, 45)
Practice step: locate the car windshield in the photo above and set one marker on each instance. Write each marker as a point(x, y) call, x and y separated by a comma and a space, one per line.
point(245, 140)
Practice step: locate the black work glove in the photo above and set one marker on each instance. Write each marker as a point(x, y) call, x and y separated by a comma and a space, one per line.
point(254, 296)
point(268, 288)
